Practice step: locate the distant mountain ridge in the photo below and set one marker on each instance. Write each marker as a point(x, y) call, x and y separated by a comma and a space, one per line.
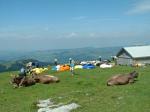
point(14, 60)
point(88, 53)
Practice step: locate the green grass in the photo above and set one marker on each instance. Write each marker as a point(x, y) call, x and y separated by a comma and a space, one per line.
point(87, 88)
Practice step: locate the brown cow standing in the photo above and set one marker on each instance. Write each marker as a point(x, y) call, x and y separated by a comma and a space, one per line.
point(122, 79)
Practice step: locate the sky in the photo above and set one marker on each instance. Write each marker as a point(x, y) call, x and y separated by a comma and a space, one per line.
point(63, 24)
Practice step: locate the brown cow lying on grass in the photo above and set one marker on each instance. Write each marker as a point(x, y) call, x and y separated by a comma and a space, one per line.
point(122, 79)
point(45, 79)
point(28, 81)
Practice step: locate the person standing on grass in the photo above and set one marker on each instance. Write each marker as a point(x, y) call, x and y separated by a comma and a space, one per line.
point(55, 61)
point(29, 67)
point(70, 59)
point(22, 75)
point(72, 64)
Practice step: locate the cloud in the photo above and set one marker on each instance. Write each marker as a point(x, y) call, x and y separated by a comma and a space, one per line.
point(72, 34)
point(109, 19)
point(71, 40)
point(140, 7)
point(19, 35)
point(46, 28)
point(92, 34)
point(11, 35)
point(79, 18)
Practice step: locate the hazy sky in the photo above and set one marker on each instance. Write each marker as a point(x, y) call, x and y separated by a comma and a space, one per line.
point(58, 24)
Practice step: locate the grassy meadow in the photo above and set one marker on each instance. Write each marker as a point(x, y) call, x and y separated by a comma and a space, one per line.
point(87, 88)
